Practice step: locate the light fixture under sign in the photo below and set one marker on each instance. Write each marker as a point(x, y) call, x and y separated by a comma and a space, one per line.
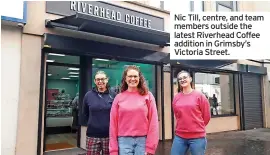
point(50, 60)
point(65, 78)
point(74, 69)
point(73, 73)
point(73, 76)
point(102, 59)
point(55, 54)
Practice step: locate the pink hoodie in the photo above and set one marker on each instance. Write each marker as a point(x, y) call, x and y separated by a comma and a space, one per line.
point(134, 115)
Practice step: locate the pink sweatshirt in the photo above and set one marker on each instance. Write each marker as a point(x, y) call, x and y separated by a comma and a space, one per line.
point(134, 115)
point(192, 112)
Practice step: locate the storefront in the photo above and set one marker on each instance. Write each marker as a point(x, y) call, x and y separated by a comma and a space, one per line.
point(237, 88)
point(64, 43)
point(86, 37)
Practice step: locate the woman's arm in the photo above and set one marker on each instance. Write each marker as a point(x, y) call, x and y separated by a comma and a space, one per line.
point(153, 131)
point(205, 108)
point(113, 142)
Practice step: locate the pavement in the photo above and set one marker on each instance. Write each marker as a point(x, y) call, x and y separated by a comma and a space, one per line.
point(250, 142)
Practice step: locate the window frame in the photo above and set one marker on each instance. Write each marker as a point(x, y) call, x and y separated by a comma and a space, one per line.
point(192, 6)
point(233, 5)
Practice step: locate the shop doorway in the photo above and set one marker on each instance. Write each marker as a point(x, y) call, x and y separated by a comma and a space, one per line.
point(62, 102)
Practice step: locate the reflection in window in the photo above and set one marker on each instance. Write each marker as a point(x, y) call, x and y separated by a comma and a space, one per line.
point(226, 6)
point(218, 88)
point(114, 70)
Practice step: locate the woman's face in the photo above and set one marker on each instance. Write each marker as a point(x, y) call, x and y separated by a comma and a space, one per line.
point(184, 80)
point(101, 81)
point(132, 78)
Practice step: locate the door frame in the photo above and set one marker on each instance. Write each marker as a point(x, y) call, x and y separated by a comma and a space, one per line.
point(44, 102)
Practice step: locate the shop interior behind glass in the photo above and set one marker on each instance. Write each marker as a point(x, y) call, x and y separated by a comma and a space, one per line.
point(62, 99)
point(63, 94)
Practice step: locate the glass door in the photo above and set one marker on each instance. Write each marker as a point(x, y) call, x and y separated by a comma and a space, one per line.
point(62, 102)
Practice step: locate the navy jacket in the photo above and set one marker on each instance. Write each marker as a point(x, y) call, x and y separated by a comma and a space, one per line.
point(96, 109)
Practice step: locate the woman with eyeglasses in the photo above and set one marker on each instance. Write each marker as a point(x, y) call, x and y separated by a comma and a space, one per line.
point(192, 111)
point(134, 119)
point(96, 109)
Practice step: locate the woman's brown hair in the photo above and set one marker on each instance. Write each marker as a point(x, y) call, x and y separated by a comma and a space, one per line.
point(142, 88)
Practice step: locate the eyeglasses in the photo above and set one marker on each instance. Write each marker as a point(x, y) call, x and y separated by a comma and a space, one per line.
point(101, 79)
point(182, 78)
point(132, 76)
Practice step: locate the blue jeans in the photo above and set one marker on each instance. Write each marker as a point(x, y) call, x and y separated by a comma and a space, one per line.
point(181, 145)
point(131, 145)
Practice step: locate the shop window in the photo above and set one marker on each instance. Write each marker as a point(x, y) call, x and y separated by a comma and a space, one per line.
point(114, 69)
point(218, 88)
point(196, 6)
point(226, 6)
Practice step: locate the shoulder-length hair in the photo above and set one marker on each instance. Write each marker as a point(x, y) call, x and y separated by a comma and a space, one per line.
point(142, 88)
point(179, 88)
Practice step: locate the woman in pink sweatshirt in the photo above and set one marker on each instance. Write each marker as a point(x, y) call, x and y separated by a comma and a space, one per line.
point(134, 118)
point(192, 111)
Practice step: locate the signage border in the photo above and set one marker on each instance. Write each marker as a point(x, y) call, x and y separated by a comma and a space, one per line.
point(107, 3)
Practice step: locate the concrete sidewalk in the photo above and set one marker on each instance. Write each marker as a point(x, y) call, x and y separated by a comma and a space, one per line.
point(251, 142)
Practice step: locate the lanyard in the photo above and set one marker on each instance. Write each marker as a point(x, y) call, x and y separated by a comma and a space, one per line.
point(103, 98)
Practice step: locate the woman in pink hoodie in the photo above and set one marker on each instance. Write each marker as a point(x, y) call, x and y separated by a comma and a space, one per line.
point(134, 119)
point(192, 111)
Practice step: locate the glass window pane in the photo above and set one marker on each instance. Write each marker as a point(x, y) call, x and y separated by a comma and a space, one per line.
point(225, 3)
point(221, 8)
point(196, 6)
point(114, 69)
point(218, 88)
point(166, 5)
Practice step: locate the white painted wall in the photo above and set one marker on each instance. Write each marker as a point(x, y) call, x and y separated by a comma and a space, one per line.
point(10, 70)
